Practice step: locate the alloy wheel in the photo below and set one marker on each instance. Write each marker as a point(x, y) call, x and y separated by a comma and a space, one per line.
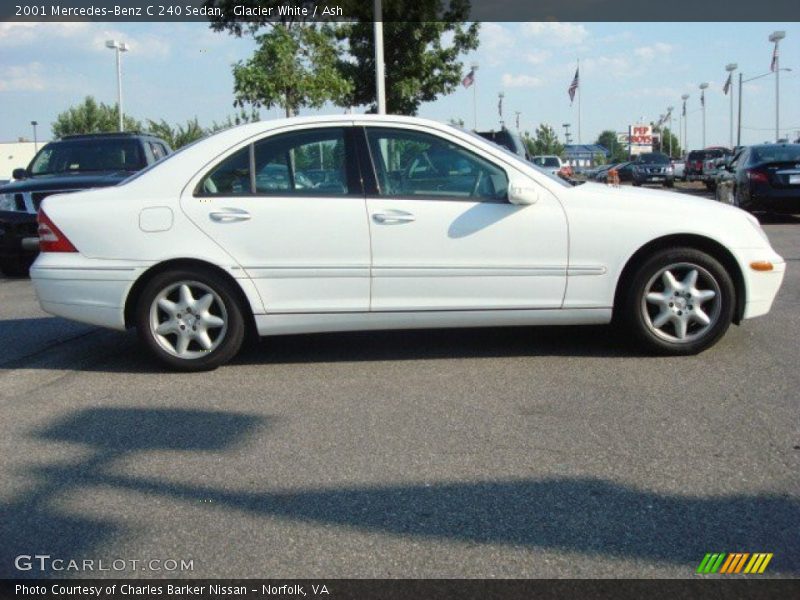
point(188, 319)
point(682, 303)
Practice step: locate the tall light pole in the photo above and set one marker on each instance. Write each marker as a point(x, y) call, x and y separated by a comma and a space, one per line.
point(380, 76)
point(776, 37)
point(703, 88)
point(730, 68)
point(35, 139)
point(118, 47)
point(474, 67)
point(669, 116)
point(685, 142)
point(742, 81)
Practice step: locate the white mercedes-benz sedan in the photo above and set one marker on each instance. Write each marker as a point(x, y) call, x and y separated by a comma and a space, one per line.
point(382, 222)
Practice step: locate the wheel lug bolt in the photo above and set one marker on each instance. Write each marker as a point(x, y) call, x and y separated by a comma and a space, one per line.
point(680, 312)
point(671, 304)
point(183, 326)
point(179, 315)
point(690, 307)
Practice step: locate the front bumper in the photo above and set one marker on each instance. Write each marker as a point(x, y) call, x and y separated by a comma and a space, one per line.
point(761, 287)
point(653, 178)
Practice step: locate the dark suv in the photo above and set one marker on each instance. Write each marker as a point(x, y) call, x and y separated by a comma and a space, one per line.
point(653, 167)
point(73, 163)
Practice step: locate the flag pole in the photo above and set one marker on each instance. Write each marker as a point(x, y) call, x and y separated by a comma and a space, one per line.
point(579, 101)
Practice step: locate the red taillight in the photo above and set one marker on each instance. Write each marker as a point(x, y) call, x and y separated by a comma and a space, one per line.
point(51, 239)
point(757, 176)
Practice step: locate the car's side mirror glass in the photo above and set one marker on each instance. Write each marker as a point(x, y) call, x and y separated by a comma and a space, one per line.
point(19, 173)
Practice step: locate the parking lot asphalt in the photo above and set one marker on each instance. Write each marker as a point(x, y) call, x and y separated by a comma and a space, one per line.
point(550, 452)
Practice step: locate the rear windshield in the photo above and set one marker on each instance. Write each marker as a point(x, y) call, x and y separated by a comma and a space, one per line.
point(696, 155)
point(763, 154)
point(546, 161)
point(88, 155)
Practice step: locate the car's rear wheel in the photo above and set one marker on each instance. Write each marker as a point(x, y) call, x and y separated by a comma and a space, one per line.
point(190, 320)
point(680, 301)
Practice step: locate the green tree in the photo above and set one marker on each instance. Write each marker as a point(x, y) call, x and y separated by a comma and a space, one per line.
point(91, 117)
point(543, 141)
point(662, 144)
point(420, 66)
point(179, 135)
point(608, 139)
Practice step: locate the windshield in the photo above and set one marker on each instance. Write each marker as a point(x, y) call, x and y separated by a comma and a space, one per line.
point(654, 158)
point(764, 154)
point(88, 155)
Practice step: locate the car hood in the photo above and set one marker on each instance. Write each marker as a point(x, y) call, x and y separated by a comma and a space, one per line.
point(638, 199)
point(65, 181)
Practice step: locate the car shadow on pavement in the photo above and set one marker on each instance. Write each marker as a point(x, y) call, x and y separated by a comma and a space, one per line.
point(591, 516)
point(115, 352)
point(34, 524)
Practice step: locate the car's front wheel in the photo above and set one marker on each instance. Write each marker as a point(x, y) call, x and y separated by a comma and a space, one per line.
point(190, 320)
point(680, 301)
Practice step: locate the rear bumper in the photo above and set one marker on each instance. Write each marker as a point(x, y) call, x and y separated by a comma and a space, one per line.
point(95, 296)
point(785, 201)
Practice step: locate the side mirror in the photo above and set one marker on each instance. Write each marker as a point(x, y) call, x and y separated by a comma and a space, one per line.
point(522, 192)
point(19, 173)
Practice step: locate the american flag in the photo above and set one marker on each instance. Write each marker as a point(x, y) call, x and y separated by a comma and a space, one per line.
point(500, 106)
point(726, 88)
point(469, 79)
point(774, 64)
point(574, 86)
point(703, 98)
point(684, 108)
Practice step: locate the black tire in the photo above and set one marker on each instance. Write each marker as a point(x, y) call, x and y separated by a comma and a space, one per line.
point(226, 303)
point(669, 183)
point(636, 184)
point(633, 305)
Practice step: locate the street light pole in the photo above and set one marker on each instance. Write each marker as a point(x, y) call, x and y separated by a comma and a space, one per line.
point(730, 69)
point(474, 96)
point(118, 47)
point(380, 76)
point(741, 81)
point(776, 37)
point(703, 88)
point(35, 139)
point(669, 116)
point(685, 97)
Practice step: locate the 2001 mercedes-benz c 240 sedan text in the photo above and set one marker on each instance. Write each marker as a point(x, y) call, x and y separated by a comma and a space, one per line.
point(383, 222)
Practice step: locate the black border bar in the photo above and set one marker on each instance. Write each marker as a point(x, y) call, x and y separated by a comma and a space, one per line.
point(402, 589)
point(255, 11)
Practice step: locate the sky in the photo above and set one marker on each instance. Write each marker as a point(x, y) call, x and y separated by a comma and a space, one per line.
point(629, 73)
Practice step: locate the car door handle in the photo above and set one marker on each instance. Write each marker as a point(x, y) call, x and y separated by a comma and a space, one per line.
point(398, 217)
point(229, 215)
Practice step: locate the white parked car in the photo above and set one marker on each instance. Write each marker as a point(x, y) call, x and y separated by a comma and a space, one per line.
point(550, 163)
point(383, 222)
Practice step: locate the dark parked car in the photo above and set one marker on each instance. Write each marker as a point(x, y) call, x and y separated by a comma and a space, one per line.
point(763, 177)
point(653, 167)
point(624, 171)
point(508, 140)
point(73, 163)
